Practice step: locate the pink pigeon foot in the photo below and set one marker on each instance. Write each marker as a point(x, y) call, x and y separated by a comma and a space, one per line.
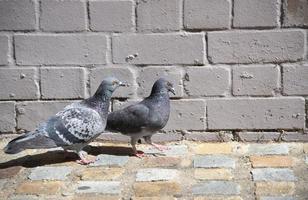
point(140, 154)
point(84, 162)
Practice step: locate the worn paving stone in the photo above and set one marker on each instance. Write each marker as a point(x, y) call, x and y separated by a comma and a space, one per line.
point(110, 160)
point(273, 174)
point(9, 172)
point(24, 197)
point(218, 198)
point(213, 148)
point(174, 150)
point(305, 146)
point(106, 187)
point(155, 198)
point(101, 173)
point(271, 161)
point(214, 161)
point(306, 160)
point(156, 174)
point(268, 149)
point(40, 187)
point(50, 173)
point(96, 197)
point(150, 189)
point(161, 161)
point(2, 183)
point(216, 188)
point(275, 188)
point(213, 174)
point(277, 198)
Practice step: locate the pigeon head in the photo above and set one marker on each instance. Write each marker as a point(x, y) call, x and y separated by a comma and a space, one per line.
point(162, 86)
point(108, 86)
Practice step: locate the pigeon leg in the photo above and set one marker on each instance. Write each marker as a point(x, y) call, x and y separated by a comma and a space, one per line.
point(157, 146)
point(83, 160)
point(136, 153)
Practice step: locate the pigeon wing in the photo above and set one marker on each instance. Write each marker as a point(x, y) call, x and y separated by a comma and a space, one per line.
point(130, 119)
point(74, 125)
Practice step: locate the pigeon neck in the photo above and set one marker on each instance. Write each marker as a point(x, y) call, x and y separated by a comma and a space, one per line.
point(104, 97)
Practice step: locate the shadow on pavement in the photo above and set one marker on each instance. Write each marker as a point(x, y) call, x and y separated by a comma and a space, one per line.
point(58, 156)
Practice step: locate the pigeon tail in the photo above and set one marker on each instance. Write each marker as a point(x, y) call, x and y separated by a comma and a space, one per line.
point(29, 140)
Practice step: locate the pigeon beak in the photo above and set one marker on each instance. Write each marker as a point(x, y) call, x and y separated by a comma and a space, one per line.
point(172, 90)
point(123, 84)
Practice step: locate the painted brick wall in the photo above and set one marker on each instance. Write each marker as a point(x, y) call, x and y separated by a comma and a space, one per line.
point(238, 66)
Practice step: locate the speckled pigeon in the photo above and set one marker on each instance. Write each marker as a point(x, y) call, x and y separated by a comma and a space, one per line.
point(72, 128)
point(145, 118)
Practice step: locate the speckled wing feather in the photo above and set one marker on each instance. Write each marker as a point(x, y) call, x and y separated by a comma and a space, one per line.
point(74, 125)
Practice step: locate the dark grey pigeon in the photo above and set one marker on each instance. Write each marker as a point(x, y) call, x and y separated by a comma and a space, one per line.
point(72, 128)
point(145, 118)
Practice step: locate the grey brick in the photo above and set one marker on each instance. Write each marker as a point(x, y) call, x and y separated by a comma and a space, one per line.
point(52, 49)
point(209, 136)
point(259, 136)
point(256, 46)
point(261, 13)
point(114, 137)
point(187, 115)
point(4, 49)
point(157, 16)
point(214, 161)
point(166, 48)
point(124, 74)
point(167, 137)
point(294, 137)
point(61, 15)
point(277, 198)
point(18, 83)
point(71, 80)
point(149, 75)
point(273, 174)
point(7, 117)
point(207, 81)
point(156, 174)
point(256, 80)
point(105, 187)
point(209, 14)
point(216, 188)
point(173, 150)
point(295, 79)
point(122, 104)
point(17, 15)
point(50, 173)
point(112, 15)
point(30, 114)
point(268, 149)
point(258, 113)
point(295, 13)
point(110, 160)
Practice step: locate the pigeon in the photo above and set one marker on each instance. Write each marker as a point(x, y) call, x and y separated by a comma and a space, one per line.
point(145, 118)
point(72, 128)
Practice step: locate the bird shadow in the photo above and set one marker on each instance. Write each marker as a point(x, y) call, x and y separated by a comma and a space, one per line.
point(58, 156)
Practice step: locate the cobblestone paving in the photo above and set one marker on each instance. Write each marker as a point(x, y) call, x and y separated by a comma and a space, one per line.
point(188, 170)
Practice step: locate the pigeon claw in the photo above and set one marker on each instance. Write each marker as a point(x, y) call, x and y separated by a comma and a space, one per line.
point(84, 161)
point(139, 154)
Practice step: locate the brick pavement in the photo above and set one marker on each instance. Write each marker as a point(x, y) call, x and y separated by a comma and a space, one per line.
point(187, 170)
